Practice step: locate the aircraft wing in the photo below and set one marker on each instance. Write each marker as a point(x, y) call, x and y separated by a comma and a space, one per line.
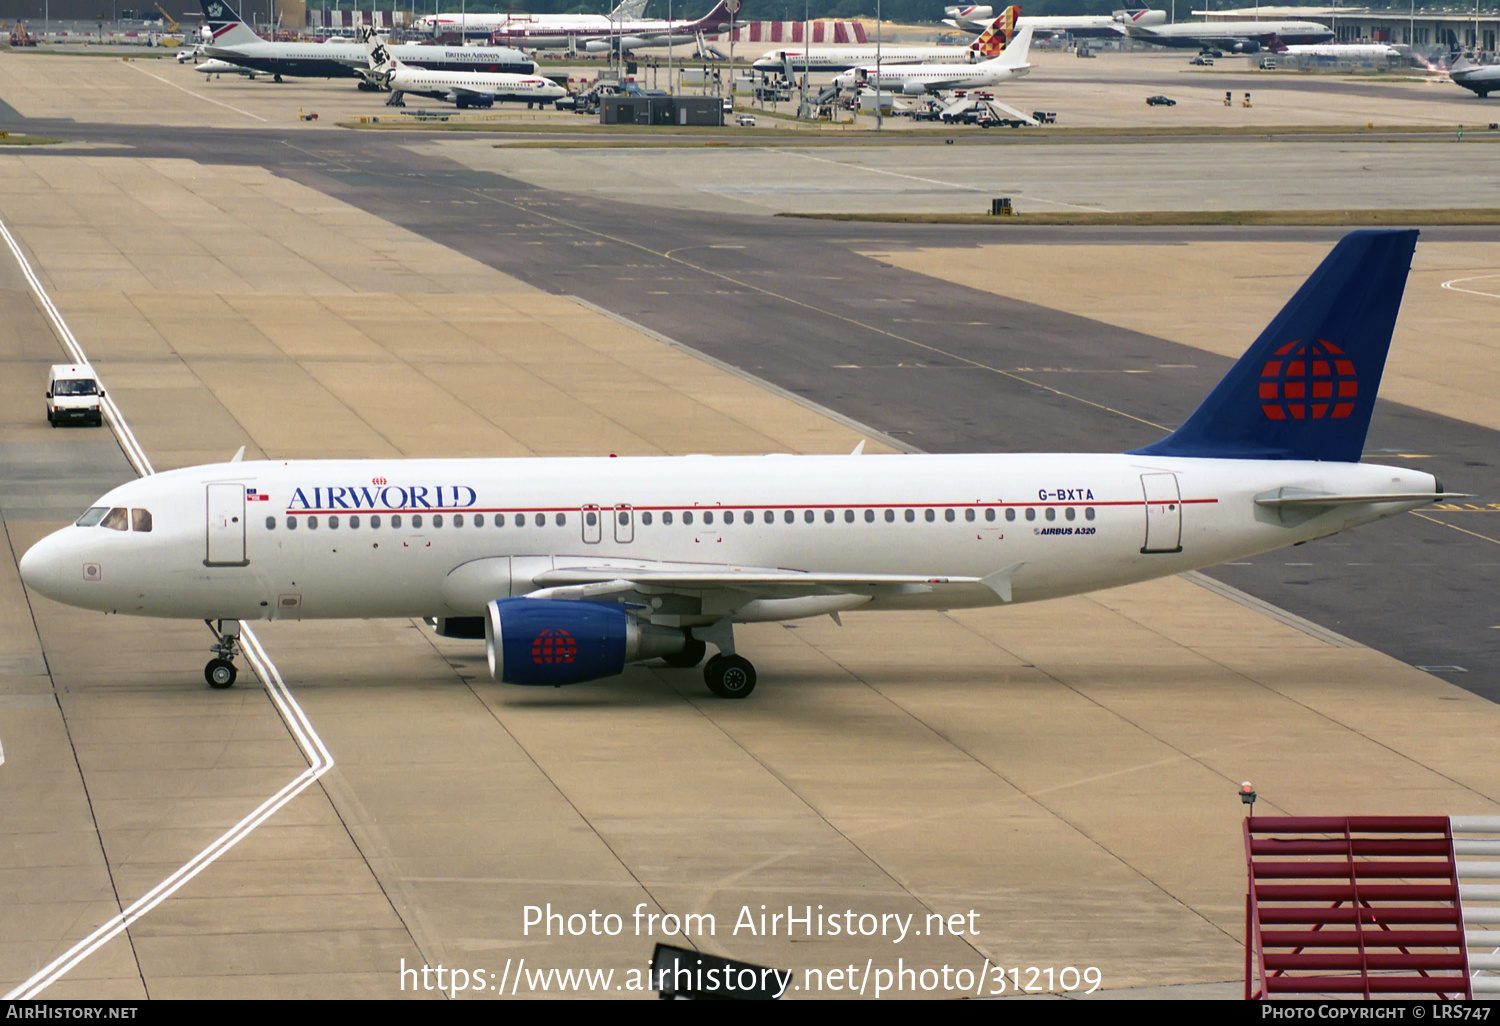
point(608, 578)
point(477, 94)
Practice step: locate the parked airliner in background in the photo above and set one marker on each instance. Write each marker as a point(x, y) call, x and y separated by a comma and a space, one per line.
point(595, 33)
point(840, 57)
point(444, 24)
point(234, 42)
point(1340, 51)
point(916, 79)
point(460, 88)
point(1083, 26)
point(571, 568)
point(1481, 79)
point(1233, 36)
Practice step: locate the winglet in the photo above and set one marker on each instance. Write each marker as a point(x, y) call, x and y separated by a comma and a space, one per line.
point(859, 450)
point(238, 456)
point(999, 581)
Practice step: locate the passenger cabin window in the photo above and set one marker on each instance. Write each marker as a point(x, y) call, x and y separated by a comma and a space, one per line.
point(375, 521)
point(768, 517)
point(807, 516)
point(396, 520)
point(140, 520)
point(1088, 514)
point(541, 520)
point(520, 519)
point(790, 517)
point(353, 522)
point(458, 520)
point(666, 518)
point(828, 516)
point(291, 523)
point(848, 516)
point(312, 523)
point(890, 516)
point(116, 519)
point(687, 516)
point(645, 517)
point(911, 516)
point(729, 516)
point(1030, 512)
point(92, 516)
point(1010, 514)
point(437, 520)
point(333, 523)
point(1070, 513)
point(931, 516)
point(270, 523)
point(969, 515)
point(949, 515)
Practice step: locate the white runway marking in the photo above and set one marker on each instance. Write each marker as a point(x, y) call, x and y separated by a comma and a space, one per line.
point(1452, 285)
point(200, 96)
point(934, 181)
point(318, 758)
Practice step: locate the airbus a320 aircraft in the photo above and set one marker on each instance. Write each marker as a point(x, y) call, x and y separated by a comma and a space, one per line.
point(571, 568)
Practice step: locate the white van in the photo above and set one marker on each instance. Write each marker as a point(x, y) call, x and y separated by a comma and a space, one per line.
point(73, 394)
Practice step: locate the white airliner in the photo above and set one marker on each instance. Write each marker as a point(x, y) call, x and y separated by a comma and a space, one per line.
point(596, 33)
point(1342, 51)
point(439, 24)
point(1232, 36)
point(571, 568)
point(460, 88)
point(915, 79)
point(232, 41)
point(1084, 26)
point(991, 43)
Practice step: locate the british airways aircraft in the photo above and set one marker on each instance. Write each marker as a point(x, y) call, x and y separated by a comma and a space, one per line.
point(570, 568)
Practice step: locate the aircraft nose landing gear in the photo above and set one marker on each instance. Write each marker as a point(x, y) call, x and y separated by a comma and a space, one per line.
point(220, 671)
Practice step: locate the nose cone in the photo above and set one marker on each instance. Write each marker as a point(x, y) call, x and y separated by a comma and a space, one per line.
point(41, 568)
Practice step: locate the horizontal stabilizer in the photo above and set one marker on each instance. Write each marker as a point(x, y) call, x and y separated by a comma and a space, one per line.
point(1293, 498)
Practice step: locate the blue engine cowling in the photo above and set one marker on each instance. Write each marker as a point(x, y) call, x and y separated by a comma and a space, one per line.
point(551, 642)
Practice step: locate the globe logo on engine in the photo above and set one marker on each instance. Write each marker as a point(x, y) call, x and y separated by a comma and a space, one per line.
point(553, 645)
point(1308, 381)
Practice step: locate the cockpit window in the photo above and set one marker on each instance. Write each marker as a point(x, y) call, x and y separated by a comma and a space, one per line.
point(140, 520)
point(75, 386)
point(92, 516)
point(116, 519)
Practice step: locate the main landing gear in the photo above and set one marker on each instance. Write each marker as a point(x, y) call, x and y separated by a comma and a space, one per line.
point(726, 674)
point(220, 671)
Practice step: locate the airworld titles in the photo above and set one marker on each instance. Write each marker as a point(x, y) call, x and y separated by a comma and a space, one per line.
point(381, 497)
point(797, 921)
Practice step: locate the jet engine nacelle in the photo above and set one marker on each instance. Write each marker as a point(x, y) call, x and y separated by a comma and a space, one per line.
point(554, 642)
point(1245, 46)
point(911, 88)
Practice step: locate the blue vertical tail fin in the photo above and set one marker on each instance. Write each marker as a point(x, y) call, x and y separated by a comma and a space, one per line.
point(1306, 389)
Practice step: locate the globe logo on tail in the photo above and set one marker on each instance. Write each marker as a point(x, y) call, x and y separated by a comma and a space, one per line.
point(553, 646)
point(1308, 381)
